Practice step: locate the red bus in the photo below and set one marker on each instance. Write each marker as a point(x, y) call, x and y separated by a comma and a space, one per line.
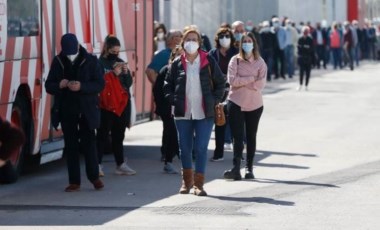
point(30, 32)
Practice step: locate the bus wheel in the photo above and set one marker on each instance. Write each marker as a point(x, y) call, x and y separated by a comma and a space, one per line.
point(21, 117)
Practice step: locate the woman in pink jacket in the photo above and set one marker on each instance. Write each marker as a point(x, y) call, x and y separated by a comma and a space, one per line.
point(247, 77)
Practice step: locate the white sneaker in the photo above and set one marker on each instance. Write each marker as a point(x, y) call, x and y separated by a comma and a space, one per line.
point(101, 173)
point(228, 146)
point(306, 89)
point(169, 169)
point(299, 88)
point(124, 169)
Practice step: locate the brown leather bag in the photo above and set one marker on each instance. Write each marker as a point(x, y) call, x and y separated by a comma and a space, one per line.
point(220, 117)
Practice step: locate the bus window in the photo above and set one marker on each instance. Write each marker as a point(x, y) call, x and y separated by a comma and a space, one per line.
point(23, 18)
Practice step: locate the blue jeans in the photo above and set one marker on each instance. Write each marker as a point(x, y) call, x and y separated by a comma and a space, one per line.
point(337, 57)
point(289, 57)
point(194, 134)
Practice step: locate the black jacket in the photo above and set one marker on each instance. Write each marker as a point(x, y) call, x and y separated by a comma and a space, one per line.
point(85, 69)
point(306, 54)
point(212, 86)
point(162, 104)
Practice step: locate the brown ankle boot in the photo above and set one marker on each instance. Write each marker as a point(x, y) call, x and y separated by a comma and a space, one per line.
point(199, 180)
point(187, 181)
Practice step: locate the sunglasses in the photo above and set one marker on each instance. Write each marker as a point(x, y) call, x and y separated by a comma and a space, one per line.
point(224, 36)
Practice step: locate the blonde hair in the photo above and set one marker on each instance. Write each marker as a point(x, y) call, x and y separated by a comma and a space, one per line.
point(189, 31)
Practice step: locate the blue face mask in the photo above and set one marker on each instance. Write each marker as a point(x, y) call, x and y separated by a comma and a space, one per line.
point(238, 36)
point(247, 47)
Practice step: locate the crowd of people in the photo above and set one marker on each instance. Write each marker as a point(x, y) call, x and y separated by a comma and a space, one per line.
point(189, 78)
point(248, 56)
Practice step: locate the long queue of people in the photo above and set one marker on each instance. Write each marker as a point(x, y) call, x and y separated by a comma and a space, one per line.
point(247, 57)
point(189, 81)
point(189, 78)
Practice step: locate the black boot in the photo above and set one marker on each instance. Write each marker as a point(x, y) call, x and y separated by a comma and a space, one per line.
point(249, 174)
point(234, 173)
point(248, 167)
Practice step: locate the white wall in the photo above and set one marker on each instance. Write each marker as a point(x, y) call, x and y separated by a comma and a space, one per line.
point(314, 10)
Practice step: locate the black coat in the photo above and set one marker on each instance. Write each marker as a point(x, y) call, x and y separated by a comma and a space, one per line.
point(162, 104)
point(212, 86)
point(85, 69)
point(306, 55)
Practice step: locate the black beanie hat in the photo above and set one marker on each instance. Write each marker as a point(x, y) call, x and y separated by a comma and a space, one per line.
point(69, 44)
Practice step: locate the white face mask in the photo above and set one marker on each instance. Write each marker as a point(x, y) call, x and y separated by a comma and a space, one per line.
point(160, 35)
point(225, 42)
point(72, 57)
point(191, 47)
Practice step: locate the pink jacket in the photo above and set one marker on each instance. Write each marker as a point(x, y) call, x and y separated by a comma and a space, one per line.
point(247, 79)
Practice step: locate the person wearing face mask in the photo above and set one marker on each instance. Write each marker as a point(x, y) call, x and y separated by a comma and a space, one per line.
point(75, 79)
point(238, 30)
point(161, 58)
point(320, 40)
point(160, 37)
point(291, 42)
point(223, 54)
point(356, 37)
point(194, 85)
point(115, 105)
point(269, 43)
point(305, 56)
point(250, 27)
point(246, 75)
point(279, 51)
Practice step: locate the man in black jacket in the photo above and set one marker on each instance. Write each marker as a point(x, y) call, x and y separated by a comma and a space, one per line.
point(75, 79)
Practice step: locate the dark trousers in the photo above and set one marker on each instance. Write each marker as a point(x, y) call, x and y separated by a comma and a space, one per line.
point(220, 132)
point(279, 56)
point(169, 147)
point(78, 138)
point(267, 55)
point(336, 52)
point(305, 69)
point(220, 136)
point(110, 122)
point(321, 49)
point(238, 119)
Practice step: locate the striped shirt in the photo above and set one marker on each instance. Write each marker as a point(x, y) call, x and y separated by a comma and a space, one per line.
point(247, 80)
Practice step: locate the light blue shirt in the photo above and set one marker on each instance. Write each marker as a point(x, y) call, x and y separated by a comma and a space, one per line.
point(281, 37)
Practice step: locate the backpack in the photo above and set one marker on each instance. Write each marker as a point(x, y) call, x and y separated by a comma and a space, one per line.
point(114, 97)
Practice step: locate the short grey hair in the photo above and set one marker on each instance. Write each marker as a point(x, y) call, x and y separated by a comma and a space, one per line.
point(172, 33)
point(236, 24)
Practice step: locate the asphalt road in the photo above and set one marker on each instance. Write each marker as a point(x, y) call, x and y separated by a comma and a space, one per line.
point(317, 167)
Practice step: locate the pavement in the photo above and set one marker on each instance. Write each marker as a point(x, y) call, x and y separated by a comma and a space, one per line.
point(317, 166)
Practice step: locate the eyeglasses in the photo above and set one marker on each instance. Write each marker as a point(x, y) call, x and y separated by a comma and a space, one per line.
point(224, 36)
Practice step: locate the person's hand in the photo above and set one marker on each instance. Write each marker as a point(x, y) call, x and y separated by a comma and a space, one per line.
point(124, 67)
point(117, 69)
point(63, 83)
point(74, 85)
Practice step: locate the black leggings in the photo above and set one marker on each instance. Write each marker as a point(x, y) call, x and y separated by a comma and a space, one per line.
point(238, 119)
point(169, 147)
point(110, 122)
point(305, 69)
